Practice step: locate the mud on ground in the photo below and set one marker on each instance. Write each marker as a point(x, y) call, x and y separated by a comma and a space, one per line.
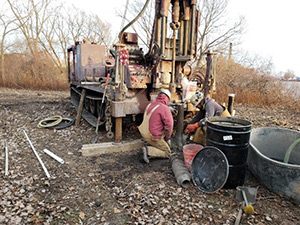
point(113, 188)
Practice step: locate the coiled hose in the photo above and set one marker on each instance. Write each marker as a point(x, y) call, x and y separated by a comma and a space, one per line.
point(55, 122)
point(45, 123)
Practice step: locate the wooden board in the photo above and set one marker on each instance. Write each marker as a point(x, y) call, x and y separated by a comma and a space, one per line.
point(111, 147)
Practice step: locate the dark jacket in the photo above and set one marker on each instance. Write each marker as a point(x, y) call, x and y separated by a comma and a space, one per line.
point(161, 121)
point(209, 109)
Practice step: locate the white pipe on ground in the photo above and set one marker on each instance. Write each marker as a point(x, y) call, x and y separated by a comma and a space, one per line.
point(57, 158)
point(37, 156)
point(6, 159)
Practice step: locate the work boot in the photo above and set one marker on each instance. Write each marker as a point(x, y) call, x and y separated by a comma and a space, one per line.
point(145, 154)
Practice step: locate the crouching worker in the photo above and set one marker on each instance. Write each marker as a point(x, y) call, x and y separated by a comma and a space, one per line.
point(208, 108)
point(157, 127)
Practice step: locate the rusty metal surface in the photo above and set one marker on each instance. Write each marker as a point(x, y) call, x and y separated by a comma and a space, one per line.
point(137, 76)
point(130, 38)
point(130, 106)
point(90, 61)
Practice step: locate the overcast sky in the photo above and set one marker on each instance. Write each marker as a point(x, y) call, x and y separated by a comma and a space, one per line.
point(272, 27)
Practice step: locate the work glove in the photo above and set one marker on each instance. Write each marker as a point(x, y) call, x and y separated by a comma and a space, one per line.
point(191, 128)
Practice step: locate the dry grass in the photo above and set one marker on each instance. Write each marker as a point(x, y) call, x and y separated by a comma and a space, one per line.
point(32, 72)
point(249, 85)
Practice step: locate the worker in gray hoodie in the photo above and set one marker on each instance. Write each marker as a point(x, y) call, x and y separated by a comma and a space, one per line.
point(208, 108)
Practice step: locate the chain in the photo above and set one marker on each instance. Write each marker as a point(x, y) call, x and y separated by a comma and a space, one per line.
point(108, 123)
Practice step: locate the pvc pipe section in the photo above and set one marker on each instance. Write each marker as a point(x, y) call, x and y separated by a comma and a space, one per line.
point(51, 154)
point(6, 159)
point(182, 175)
point(37, 155)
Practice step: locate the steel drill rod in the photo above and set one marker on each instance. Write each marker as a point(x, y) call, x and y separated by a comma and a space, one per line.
point(6, 159)
point(57, 158)
point(37, 156)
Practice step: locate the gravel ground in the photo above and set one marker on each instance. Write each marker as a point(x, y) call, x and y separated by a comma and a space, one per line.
point(112, 188)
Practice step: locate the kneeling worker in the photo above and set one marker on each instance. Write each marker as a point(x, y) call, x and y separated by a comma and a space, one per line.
point(157, 127)
point(208, 108)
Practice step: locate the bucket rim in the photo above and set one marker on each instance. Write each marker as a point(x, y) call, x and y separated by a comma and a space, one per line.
point(242, 122)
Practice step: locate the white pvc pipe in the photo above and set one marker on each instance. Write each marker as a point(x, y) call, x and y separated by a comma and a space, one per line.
point(37, 155)
point(58, 159)
point(6, 159)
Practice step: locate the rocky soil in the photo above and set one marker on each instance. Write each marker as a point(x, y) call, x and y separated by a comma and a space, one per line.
point(112, 188)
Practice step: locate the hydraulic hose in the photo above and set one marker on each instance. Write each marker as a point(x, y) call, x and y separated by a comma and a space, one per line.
point(290, 149)
point(69, 122)
point(133, 21)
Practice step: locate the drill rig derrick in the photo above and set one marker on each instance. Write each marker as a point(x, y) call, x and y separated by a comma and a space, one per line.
point(136, 79)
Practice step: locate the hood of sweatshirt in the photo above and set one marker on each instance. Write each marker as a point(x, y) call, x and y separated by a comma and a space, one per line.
point(163, 99)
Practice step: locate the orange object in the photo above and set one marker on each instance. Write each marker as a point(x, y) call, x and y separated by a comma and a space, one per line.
point(189, 152)
point(191, 128)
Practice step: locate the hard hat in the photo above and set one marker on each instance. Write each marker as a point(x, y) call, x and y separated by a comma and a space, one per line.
point(196, 98)
point(166, 92)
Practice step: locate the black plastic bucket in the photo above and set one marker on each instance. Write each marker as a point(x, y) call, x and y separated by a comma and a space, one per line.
point(231, 136)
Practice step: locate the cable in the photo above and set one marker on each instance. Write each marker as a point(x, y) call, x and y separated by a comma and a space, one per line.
point(69, 123)
point(45, 123)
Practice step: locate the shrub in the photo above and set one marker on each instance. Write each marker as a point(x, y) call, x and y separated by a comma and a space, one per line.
point(32, 71)
point(251, 86)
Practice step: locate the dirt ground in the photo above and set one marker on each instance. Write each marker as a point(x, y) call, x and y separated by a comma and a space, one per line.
point(113, 188)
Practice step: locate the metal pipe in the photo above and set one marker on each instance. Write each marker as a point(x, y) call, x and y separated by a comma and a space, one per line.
point(179, 126)
point(69, 66)
point(230, 103)
point(173, 87)
point(186, 40)
point(181, 38)
point(51, 154)
point(163, 34)
point(6, 159)
point(193, 25)
point(186, 23)
point(182, 175)
point(37, 156)
point(83, 83)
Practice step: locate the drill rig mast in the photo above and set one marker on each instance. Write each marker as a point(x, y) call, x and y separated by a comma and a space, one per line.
point(135, 78)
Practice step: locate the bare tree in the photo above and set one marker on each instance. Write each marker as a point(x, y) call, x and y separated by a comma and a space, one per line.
point(143, 26)
point(97, 31)
point(31, 17)
point(49, 39)
point(5, 28)
point(289, 75)
point(81, 25)
point(215, 31)
point(262, 65)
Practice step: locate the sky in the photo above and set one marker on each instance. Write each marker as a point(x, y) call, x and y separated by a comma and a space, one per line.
point(272, 27)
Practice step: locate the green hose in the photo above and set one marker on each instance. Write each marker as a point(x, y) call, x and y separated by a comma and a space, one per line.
point(290, 149)
point(45, 122)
